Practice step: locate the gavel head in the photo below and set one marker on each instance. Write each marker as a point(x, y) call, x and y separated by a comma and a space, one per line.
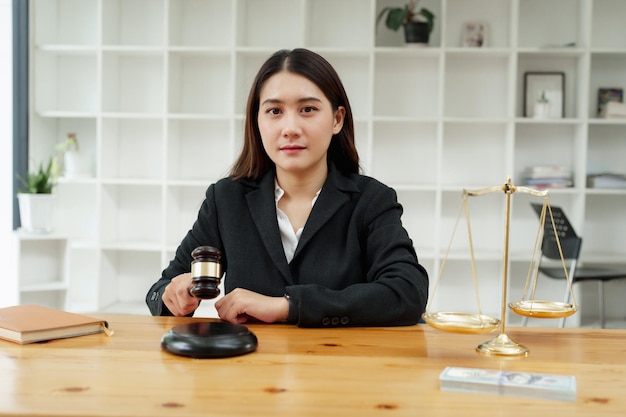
point(206, 272)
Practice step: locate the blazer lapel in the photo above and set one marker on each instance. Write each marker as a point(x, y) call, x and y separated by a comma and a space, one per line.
point(335, 193)
point(262, 207)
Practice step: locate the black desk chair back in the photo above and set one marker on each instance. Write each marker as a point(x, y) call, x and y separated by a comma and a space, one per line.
point(571, 245)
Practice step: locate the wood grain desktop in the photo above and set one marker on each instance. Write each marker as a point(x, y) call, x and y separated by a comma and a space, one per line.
point(337, 372)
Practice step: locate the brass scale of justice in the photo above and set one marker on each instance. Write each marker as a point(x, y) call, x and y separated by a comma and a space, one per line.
point(502, 345)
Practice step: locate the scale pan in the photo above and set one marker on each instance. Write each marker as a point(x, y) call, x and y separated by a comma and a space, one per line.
point(543, 309)
point(461, 322)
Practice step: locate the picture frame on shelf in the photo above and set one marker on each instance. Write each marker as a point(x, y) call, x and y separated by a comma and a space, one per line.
point(474, 34)
point(544, 94)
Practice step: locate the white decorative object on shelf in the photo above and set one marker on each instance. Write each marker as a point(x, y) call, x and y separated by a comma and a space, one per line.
point(76, 163)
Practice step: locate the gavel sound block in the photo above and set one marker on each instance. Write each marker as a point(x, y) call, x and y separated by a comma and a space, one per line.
point(208, 339)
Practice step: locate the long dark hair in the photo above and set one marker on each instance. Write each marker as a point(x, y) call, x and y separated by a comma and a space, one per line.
point(253, 161)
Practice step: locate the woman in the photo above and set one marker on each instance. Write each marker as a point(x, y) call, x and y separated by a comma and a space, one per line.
point(304, 238)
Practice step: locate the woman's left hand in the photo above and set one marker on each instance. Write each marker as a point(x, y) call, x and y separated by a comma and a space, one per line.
point(240, 305)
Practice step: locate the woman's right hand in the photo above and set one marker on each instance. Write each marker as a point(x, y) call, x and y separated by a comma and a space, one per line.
point(176, 296)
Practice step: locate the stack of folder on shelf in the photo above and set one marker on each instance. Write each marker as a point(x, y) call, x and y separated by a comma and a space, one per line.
point(606, 180)
point(547, 176)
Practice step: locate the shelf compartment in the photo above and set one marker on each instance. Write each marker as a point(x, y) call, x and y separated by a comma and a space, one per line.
point(131, 215)
point(350, 22)
point(129, 276)
point(135, 82)
point(607, 71)
point(354, 71)
point(132, 149)
point(571, 64)
point(247, 66)
point(198, 84)
point(49, 131)
point(182, 207)
point(537, 28)
point(133, 22)
point(82, 295)
point(76, 210)
point(66, 81)
point(606, 149)
point(488, 12)
point(603, 226)
point(482, 79)
point(466, 147)
point(406, 153)
point(607, 28)
point(406, 84)
point(417, 219)
point(549, 144)
point(75, 22)
point(198, 150)
point(201, 23)
point(255, 28)
point(43, 263)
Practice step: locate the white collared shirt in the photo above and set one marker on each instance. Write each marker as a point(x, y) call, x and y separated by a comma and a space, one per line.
point(289, 237)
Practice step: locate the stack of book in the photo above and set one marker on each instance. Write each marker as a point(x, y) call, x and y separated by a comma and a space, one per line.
point(547, 176)
point(614, 110)
point(606, 180)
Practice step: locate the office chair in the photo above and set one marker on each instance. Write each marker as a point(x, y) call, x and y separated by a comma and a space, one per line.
point(570, 245)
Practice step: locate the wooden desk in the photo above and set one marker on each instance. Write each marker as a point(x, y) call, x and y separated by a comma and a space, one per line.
point(301, 372)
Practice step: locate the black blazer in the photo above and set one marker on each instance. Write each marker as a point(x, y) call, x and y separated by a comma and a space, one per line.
point(355, 264)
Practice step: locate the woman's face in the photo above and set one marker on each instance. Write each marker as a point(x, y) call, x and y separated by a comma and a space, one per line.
point(297, 123)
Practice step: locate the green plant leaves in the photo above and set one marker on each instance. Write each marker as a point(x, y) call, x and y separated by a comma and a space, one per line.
point(40, 181)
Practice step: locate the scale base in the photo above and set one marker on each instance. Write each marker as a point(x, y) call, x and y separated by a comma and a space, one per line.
point(502, 345)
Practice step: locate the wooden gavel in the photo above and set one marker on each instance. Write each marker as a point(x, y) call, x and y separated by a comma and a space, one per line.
point(206, 272)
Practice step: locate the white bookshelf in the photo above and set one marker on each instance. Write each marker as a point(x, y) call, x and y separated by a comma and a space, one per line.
point(156, 91)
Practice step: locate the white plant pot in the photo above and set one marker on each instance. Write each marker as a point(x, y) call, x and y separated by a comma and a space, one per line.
point(36, 212)
point(542, 111)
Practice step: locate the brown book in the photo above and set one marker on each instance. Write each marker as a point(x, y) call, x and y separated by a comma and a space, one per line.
point(33, 323)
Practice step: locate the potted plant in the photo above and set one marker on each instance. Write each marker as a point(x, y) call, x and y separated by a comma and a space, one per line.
point(418, 24)
point(35, 198)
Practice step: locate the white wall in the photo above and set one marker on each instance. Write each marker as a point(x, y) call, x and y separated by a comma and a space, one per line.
point(6, 154)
